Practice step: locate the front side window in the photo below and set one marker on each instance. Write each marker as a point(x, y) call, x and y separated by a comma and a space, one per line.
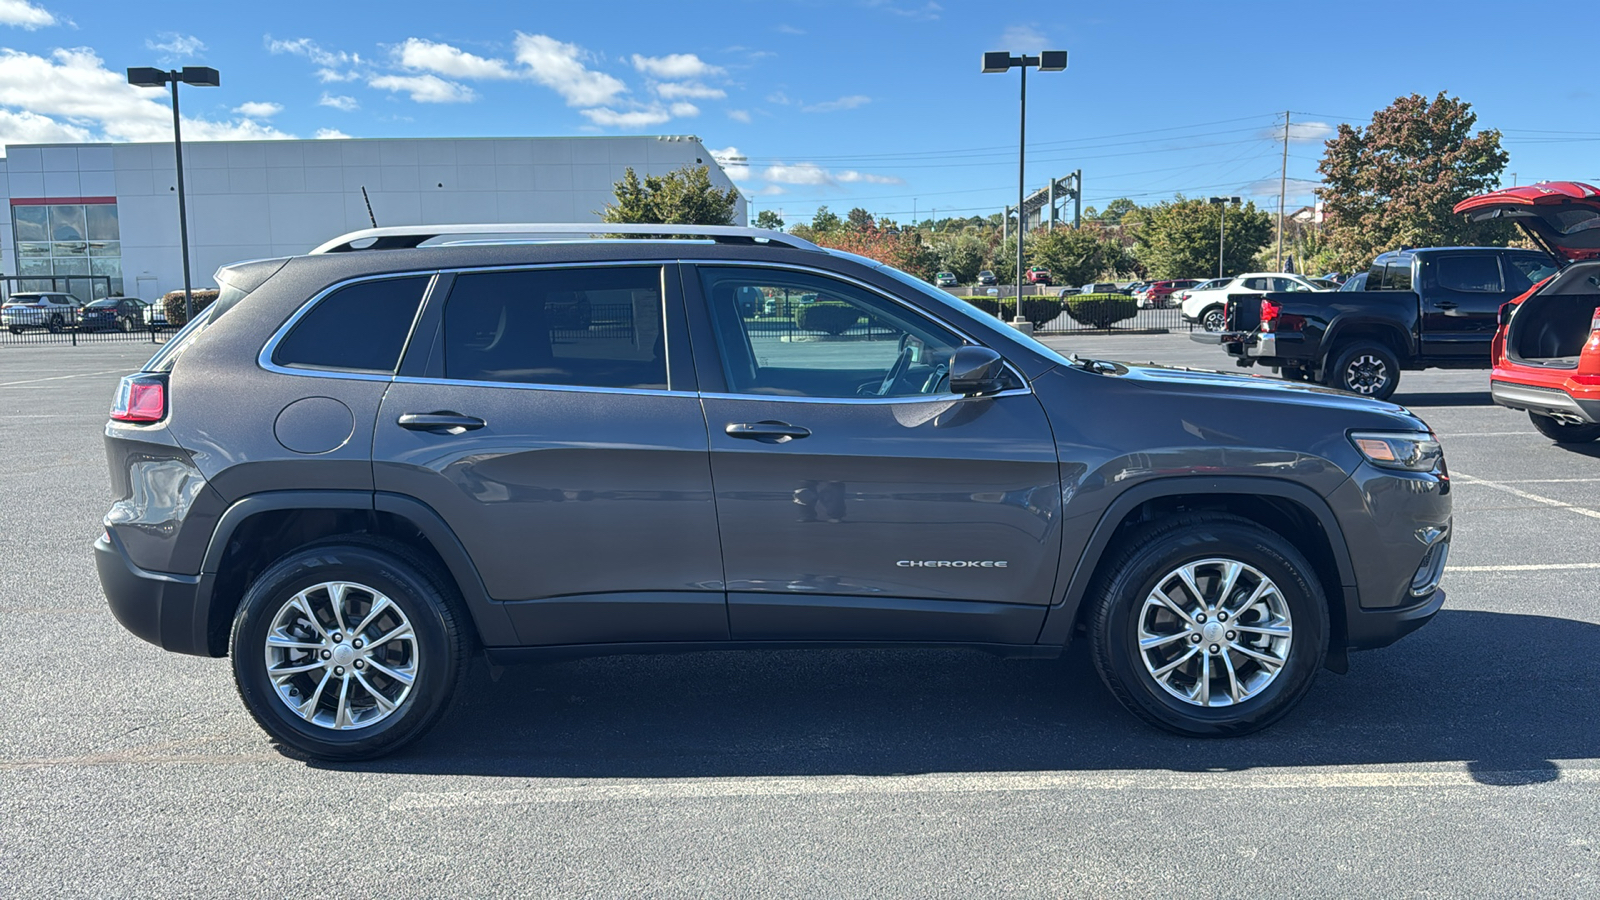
point(823, 338)
point(600, 328)
point(1477, 274)
point(361, 327)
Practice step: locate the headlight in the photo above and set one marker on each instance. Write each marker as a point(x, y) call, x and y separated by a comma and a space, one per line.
point(1411, 451)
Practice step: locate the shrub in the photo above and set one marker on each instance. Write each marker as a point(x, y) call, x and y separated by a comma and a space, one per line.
point(172, 303)
point(1038, 310)
point(1101, 310)
point(829, 316)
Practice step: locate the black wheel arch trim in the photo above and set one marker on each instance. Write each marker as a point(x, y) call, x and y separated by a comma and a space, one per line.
point(1400, 340)
point(1062, 617)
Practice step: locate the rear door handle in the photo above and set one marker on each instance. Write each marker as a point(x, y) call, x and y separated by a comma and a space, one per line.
point(1445, 305)
point(441, 422)
point(768, 432)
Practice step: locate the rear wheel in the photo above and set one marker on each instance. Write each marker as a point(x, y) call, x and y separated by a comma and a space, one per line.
point(348, 650)
point(1367, 368)
point(1208, 625)
point(55, 325)
point(1562, 433)
point(1212, 319)
point(124, 324)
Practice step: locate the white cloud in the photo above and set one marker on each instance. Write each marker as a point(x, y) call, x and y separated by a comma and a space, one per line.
point(332, 65)
point(444, 59)
point(560, 67)
point(684, 110)
point(1024, 39)
point(739, 115)
point(24, 127)
point(73, 89)
point(850, 175)
point(778, 97)
point(788, 29)
point(927, 11)
point(23, 14)
point(850, 102)
point(733, 163)
point(331, 134)
point(675, 65)
point(424, 88)
point(174, 47)
point(258, 110)
point(338, 101)
point(637, 118)
point(771, 190)
point(804, 173)
point(1295, 187)
point(1308, 132)
point(673, 90)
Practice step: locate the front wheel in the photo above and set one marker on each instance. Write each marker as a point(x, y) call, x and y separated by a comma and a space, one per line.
point(348, 650)
point(1208, 625)
point(56, 325)
point(1212, 319)
point(1561, 432)
point(1367, 368)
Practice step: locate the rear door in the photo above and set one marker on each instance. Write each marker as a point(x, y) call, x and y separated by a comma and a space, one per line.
point(1461, 296)
point(858, 498)
point(549, 416)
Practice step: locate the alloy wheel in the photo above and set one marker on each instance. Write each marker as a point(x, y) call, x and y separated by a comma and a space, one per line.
point(1215, 632)
point(1366, 374)
point(341, 655)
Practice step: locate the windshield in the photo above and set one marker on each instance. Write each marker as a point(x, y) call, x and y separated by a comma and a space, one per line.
point(958, 307)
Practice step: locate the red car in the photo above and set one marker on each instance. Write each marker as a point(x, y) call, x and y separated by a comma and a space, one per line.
point(1546, 352)
point(1159, 293)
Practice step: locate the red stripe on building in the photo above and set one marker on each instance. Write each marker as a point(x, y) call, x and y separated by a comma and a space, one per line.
point(56, 201)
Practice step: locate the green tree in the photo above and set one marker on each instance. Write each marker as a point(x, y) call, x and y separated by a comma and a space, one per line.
point(1075, 255)
point(1394, 182)
point(682, 197)
point(1178, 239)
point(769, 220)
point(825, 221)
point(960, 254)
point(860, 219)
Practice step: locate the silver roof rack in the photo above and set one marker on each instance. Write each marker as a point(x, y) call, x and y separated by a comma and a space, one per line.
point(405, 237)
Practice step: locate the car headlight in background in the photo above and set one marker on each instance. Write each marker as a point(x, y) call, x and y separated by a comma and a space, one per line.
point(1410, 451)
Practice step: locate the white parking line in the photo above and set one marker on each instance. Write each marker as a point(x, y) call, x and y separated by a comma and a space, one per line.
point(980, 783)
point(1558, 504)
point(1524, 568)
point(62, 377)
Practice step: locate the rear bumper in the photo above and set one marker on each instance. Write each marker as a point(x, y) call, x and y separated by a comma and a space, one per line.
point(170, 611)
point(1548, 401)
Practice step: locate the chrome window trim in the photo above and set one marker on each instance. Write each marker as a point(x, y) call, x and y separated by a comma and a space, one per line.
point(541, 386)
point(264, 358)
point(870, 401)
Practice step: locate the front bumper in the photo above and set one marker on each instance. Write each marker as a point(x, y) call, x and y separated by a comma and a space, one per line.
point(170, 611)
point(1369, 629)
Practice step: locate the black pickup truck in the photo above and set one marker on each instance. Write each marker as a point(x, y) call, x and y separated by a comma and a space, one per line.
point(1419, 309)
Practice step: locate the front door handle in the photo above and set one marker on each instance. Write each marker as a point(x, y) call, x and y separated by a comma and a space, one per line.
point(768, 432)
point(441, 422)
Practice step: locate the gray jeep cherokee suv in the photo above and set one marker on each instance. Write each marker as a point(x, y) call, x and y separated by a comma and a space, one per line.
point(361, 466)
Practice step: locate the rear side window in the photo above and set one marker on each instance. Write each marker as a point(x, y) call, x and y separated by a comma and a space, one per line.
point(1397, 276)
point(579, 327)
point(1477, 274)
point(361, 327)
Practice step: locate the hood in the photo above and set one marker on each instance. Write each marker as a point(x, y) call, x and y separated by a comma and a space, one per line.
point(1563, 217)
point(1257, 388)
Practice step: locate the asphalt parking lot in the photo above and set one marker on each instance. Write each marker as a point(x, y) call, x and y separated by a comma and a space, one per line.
point(1463, 761)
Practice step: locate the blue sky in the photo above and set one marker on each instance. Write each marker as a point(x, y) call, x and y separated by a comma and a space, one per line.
point(872, 103)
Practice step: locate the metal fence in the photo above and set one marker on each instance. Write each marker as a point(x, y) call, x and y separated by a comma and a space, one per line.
point(75, 333)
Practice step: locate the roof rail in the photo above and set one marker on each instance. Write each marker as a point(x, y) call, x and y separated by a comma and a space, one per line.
point(406, 237)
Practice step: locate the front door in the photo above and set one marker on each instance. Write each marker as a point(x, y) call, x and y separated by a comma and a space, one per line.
point(858, 498)
point(546, 431)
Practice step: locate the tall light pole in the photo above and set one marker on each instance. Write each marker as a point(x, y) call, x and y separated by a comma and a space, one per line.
point(199, 76)
point(1001, 61)
point(1222, 227)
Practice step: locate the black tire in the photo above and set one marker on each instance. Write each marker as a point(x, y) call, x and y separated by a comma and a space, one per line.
point(16, 329)
point(1563, 433)
point(55, 325)
point(442, 646)
point(1367, 368)
point(1212, 318)
point(1146, 559)
point(124, 324)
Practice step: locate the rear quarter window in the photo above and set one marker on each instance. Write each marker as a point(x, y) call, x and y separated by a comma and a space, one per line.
point(360, 327)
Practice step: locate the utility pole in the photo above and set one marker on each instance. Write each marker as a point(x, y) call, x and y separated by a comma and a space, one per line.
point(1283, 187)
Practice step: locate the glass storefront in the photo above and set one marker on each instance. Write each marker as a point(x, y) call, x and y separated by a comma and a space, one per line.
point(69, 239)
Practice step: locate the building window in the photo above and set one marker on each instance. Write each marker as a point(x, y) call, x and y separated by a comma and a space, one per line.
point(66, 244)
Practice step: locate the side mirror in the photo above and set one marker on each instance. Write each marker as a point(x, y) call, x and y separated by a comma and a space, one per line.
point(976, 370)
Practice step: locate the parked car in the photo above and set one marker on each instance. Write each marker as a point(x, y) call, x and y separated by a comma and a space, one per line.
point(1100, 287)
point(1324, 284)
point(1159, 293)
point(1546, 348)
point(50, 310)
point(1426, 308)
point(987, 277)
point(1356, 282)
point(1205, 307)
point(1068, 292)
point(1181, 295)
point(350, 521)
point(1038, 275)
point(944, 279)
point(115, 314)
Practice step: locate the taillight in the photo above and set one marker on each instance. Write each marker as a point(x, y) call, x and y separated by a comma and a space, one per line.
point(140, 398)
point(1594, 323)
point(1269, 314)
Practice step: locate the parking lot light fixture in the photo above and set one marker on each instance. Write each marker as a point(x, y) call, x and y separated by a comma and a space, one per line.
point(997, 62)
point(198, 76)
point(1222, 226)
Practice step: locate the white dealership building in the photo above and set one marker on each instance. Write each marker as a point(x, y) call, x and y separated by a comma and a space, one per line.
point(112, 209)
